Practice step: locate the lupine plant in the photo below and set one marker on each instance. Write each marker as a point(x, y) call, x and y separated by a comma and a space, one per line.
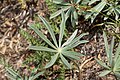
point(58, 48)
point(108, 7)
point(70, 8)
point(113, 64)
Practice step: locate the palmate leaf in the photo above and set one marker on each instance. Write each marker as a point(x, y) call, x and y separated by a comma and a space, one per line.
point(70, 39)
point(105, 72)
point(62, 28)
point(49, 29)
point(52, 61)
point(41, 48)
point(65, 61)
point(42, 35)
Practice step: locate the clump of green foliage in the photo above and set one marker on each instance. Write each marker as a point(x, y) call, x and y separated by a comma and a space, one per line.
point(113, 65)
point(13, 75)
point(59, 49)
point(108, 8)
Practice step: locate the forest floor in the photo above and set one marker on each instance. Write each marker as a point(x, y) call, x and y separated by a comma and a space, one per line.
point(13, 47)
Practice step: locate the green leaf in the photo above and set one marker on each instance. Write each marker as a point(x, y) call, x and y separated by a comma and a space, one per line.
point(116, 14)
point(52, 61)
point(78, 38)
point(26, 78)
point(59, 12)
point(78, 43)
point(12, 72)
point(96, 10)
point(57, 1)
point(117, 64)
point(77, 1)
point(41, 48)
point(75, 44)
point(75, 15)
point(67, 14)
point(105, 72)
point(42, 35)
point(117, 74)
point(49, 29)
point(102, 63)
point(92, 1)
point(71, 54)
point(106, 46)
point(65, 61)
point(70, 39)
point(111, 52)
point(62, 28)
point(72, 20)
point(37, 75)
point(117, 53)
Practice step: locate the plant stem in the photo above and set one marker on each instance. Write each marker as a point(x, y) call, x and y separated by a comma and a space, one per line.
point(79, 73)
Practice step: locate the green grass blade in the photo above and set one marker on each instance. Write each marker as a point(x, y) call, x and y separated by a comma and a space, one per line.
point(106, 46)
point(41, 35)
point(65, 61)
point(62, 28)
point(41, 48)
point(52, 61)
point(105, 72)
point(102, 63)
point(70, 39)
point(49, 29)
